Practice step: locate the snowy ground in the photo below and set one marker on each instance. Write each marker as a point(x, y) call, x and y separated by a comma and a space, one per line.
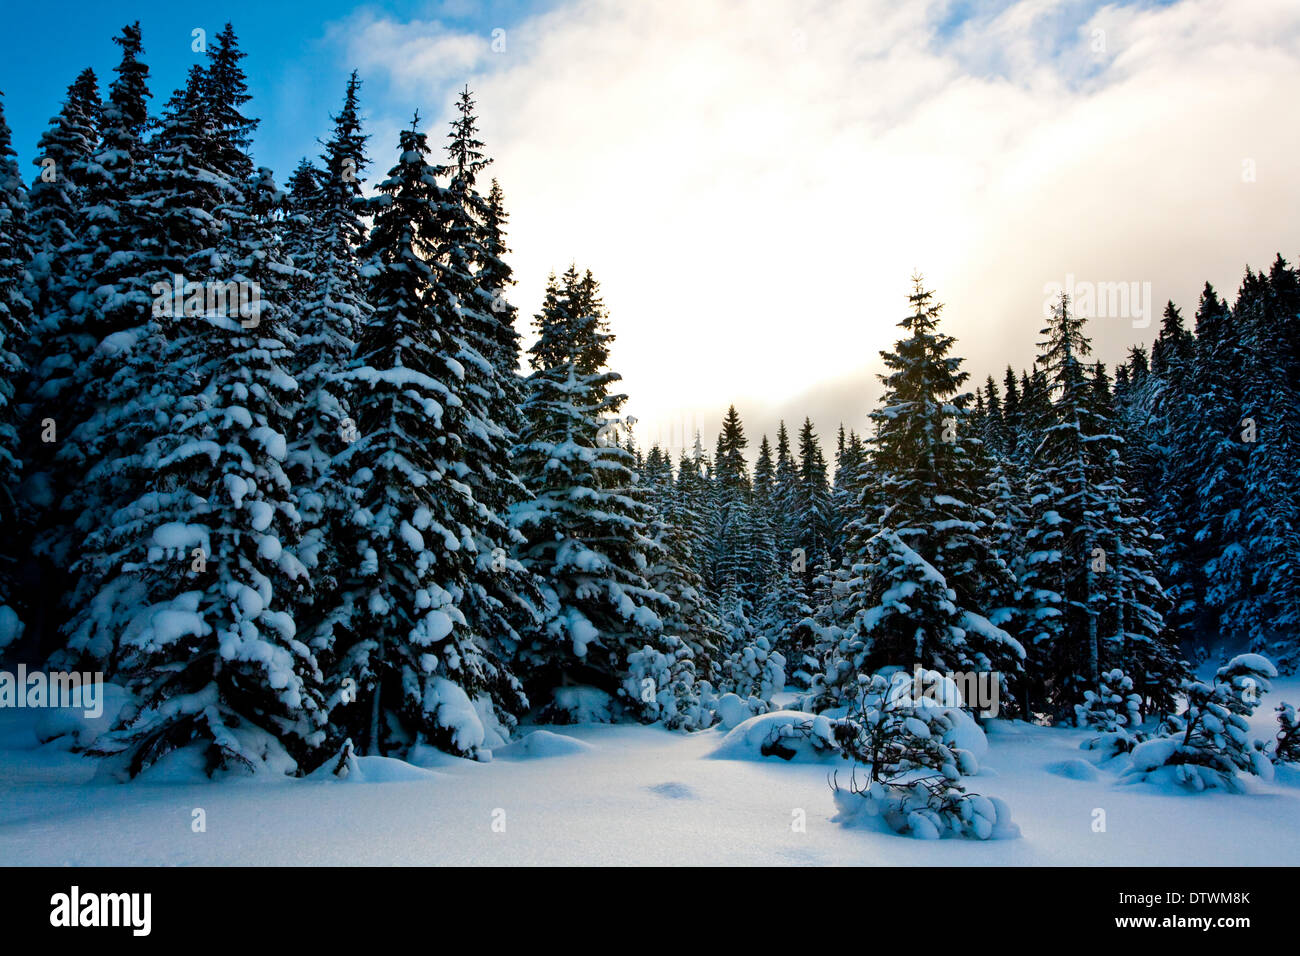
point(632, 795)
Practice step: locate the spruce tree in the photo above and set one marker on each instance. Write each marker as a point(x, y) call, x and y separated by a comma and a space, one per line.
point(1269, 613)
point(587, 538)
point(324, 231)
point(15, 312)
point(932, 539)
point(407, 632)
point(63, 155)
point(78, 350)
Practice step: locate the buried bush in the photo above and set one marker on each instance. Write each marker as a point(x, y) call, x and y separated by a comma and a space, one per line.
point(1113, 709)
point(908, 768)
point(1209, 745)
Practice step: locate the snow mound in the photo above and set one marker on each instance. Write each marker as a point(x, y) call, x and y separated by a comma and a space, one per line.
point(1073, 769)
point(732, 711)
point(371, 770)
point(542, 743)
point(69, 728)
point(787, 734)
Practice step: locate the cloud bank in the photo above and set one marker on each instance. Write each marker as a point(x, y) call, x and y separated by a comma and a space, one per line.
point(754, 183)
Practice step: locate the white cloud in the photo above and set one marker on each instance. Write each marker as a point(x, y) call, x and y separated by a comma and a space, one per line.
point(753, 184)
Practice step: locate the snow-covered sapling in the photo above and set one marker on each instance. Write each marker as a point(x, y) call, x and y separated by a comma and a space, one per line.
point(914, 767)
point(1114, 710)
point(1209, 744)
point(1286, 749)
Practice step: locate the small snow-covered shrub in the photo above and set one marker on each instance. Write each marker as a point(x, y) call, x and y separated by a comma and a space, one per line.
point(1286, 748)
point(913, 768)
point(579, 704)
point(662, 686)
point(1113, 709)
point(347, 767)
point(1209, 746)
point(784, 734)
point(751, 669)
point(542, 743)
point(71, 729)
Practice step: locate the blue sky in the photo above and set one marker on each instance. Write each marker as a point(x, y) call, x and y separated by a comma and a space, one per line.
point(297, 58)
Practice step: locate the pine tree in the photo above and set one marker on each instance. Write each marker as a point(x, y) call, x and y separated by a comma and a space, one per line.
point(1114, 710)
point(1092, 595)
point(225, 90)
point(408, 633)
point(15, 310)
point(1134, 607)
point(931, 538)
point(145, 362)
point(78, 353)
point(63, 155)
point(810, 505)
point(495, 278)
point(324, 231)
point(213, 651)
point(1209, 744)
point(505, 597)
point(587, 538)
point(1269, 614)
point(732, 559)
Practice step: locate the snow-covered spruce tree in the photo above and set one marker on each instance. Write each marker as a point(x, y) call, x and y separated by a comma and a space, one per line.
point(783, 491)
point(1084, 522)
point(407, 636)
point(927, 588)
point(57, 343)
point(850, 457)
point(202, 570)
point(1209, 744)
point(471, 279)
point(63, 153)
point(1268, 613)
point(781, 603)
point(909, 750)
point(1161, 417)
point(673, 573)
point(74, 347)
point(1216, 462)
point(765, 560)
point(750, 668)
point(134, 378)
point(496, 277)
point(324, 232)
point(1113, 709)
point(782, 609)
point(297, 230)
point(731, 556)
point(587, 538)
point(225, 91)
point(88, 222)
point(1132, 608)
point(673, 687)
point(811, 517)
point(15, 311)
